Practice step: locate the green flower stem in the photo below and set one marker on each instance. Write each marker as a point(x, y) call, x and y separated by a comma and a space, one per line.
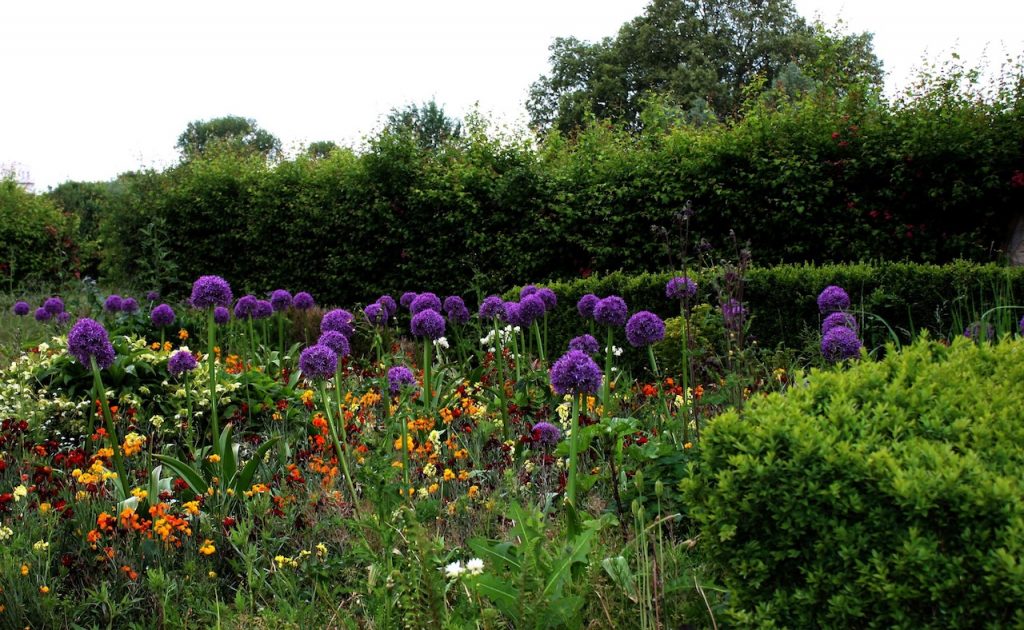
point(188, 408)
point(606, 385)
point(499, 359)
point(574, 430)
point(212, 361)
point(661, 391)
point(428, 360)
point(686, 372)
point(405, 444)
point(540, 343)
point(112, 439)
point(342, 452)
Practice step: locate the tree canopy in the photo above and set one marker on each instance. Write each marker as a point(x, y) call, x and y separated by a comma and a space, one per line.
point(230, 133)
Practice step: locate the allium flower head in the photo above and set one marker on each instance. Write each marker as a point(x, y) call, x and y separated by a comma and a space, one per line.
point(585, 343)
point(388, 303)
point(549, 298)
point(833, 299)
point(21, 308)
point(492, 306)
point(586, 305)
point(575, 373)
point(42, 315)
point(399, 376)
point(180, 362)
point(335, 341)
point(681, 288)
point(54, 305)
point(531, 308)
point(734, 315)
point(152, 296)
point(262, 310)
point(280, 300)
point(340, 320)
point(458, 315)
point(644, 328)
point(840, 343)
point(611, 311)
point(546, 434)
point(245, 307)
point(527, 290)
point(1020, 326)
point(211, 291)
point(221, 315)
point(303, 301)
point(453, 302)
point(129, 305)
point(407, 298)
point(428, 323)
point(113, 303)
point(839, 318)
point(375, 314)
point(88, 338)
point(425, 301)
point(162, 315)
point(512, 316)
point(63, 317)
point(318, 362)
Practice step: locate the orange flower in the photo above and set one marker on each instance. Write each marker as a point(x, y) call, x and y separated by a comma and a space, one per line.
point(183, 334)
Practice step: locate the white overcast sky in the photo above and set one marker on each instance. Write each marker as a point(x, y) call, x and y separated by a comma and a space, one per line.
point(92, 89)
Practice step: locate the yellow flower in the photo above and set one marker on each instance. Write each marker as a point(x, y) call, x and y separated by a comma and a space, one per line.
point(24, 569)
point(192, 507)
point(43, 590)
point(44, 508)
point(307, 397)
point(448, 474)
point(133, 443)
point(321, 550)
point(473, 491)
point(167, 346)
point(213, 459)
point(463, 475)
point(433, 488)
point(211, 574)
point(20, 492)
point(207, 548)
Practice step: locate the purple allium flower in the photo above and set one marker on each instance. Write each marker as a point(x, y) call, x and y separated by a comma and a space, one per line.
point(1020, 325)
point(54, 305)
point(407, 298)
point(585, 343)
point(611, 311)
point(318, 362)
point(129, 305)
point(546, 434)
point(399, 376)
point(88, 338)
point(644, 328)
point(681, 288)
point(303, 301)
point(339, 320)
point(492, 306)
point(262, 310)
point(42, 315)
point(549, 298)
point(734, 315)
point(335, 341)
point(575, 373)
point(162, 315)
point(245, 307)
point(376, 314)
point(280, 300)
point(425, 301)
point(63, 317)
point(211, 291)
point(840, 343)
point(152, 296)
point(389, 305)
point(459, 315)
point(113, 303)
point(180, 362)
point(586, 305)
point(531, 308)
point(221, 315)
point(839, 318)
point(978, 329)
point(428, 323)
point(453, 302)
point(21, 308)
point(512, 316)
point(527, 290)
point(832, 299)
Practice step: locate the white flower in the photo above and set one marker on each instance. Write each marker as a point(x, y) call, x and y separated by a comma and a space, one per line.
point(6, 532)
point(441, 342)
point(475, 566)
point(40, 546)
point(454, 570)
point(617, 351)
point(20, 492)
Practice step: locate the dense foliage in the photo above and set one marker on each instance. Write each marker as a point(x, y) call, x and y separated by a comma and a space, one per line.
point(36, 238)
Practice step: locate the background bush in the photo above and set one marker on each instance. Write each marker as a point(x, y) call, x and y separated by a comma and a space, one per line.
point(882, 496)
point(36, 238)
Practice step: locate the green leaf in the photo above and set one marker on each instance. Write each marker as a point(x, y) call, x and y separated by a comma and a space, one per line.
point(577, 552)
point(618, 570)
point(504, 596)
point(186, 472)
point(498, 553)
point(245, 478)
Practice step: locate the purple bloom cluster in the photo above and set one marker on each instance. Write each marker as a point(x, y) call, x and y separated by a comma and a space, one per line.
point(63, 317)
point(611, 311)
point(840, 343)
point(839, 318)
point(152, 296)
point(42, 315)
point(280, 300)
point(180, 362)
point(428, 323)
point(492, 307)
point(245, 307)
point(512, 316)
point(375, 314)
point(388, 304)
point(88, 338)
point(318, 362)
point(399, 376)
point(546, 434)
point(585, 343)
point(734, 314)
point(575, 373)
point(425, 301)
point(336, 342)
point(455, 309)
point(340, 320)
point(527, 290)
point(531, 308)
point(407, 298)
point(1020, 325)
point(162, 315)
point(263, 309)
point(54, 305)
point(681, 288)
point(221, 315)
point(586, 305)
point(644, 328)
point(549, 298)
point(832, 299)
point(211, 291)
point(303, 301)
point(21, 308)
point(113, 303)
point(129, 305)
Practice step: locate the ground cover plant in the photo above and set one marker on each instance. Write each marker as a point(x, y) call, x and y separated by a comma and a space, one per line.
point(448, 461)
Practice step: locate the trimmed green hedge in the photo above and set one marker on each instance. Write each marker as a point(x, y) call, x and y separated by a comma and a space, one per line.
point(887, 495)
point(36, 238)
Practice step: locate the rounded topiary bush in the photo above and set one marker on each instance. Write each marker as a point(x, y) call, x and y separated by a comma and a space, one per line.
point(885, 495)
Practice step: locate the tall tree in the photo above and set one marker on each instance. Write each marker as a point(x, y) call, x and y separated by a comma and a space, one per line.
point(428, 123)
point(229, 133)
